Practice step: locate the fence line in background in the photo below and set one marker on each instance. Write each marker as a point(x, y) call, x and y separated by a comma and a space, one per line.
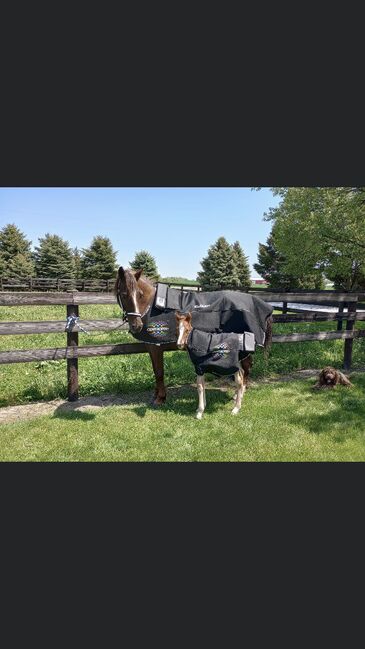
point(73, 299)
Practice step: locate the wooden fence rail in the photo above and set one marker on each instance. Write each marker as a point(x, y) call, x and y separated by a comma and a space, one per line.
point(73, 351)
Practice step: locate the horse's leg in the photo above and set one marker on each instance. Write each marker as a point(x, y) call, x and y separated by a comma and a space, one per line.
point(241, 380)
point(238, 377)
point(156, 355)
point(200, 384)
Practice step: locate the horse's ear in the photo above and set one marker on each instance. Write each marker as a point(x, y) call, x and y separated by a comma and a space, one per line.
point(138, 273)
point(121, 271)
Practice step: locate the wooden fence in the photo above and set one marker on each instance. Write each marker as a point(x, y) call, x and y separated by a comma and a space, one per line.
point(72, 351)
point(35, 284)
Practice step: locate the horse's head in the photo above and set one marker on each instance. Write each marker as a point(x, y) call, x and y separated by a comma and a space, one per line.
point(133, 295)
point(183, 328)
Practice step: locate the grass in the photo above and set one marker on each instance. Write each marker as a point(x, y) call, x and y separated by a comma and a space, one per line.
point(278, 422)
point(26, 382)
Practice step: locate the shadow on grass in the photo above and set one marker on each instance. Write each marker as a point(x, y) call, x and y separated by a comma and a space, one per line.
point(181, 401)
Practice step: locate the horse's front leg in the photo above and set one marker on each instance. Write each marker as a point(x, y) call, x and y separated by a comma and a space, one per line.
point(200, 384)
point(156, 355)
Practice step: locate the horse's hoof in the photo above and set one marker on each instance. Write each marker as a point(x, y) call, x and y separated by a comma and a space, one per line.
point(157, 404)
point(235, 411)
point(199, 415)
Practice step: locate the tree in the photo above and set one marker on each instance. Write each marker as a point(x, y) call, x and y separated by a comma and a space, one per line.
point(77, 262)
point(219, 268)
point(145, 261)
point(320, 230)
point(99, 260)
point(15, 254)
point(53, 257)
point(271, 266)
point(242, 266)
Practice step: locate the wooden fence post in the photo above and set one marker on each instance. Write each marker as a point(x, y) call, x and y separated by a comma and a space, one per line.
point(72, 363)
point(340, 311)
point(347, 358)
point(285, 307)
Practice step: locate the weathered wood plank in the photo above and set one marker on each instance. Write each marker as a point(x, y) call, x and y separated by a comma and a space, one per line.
point(30, 355)
point(73, 297)
point(320, 335)
point(307, 298)
point(62, 353)
point(58, 326)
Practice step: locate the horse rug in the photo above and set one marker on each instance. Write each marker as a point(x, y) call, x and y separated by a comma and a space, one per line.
point(212, 311)
point(219, 353)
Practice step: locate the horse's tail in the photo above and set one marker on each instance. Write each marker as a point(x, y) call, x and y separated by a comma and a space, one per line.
point(268, 337)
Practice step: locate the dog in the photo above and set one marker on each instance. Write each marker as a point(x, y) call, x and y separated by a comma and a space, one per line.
point(329, 377)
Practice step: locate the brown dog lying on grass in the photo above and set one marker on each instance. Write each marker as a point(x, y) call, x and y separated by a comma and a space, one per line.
point(329, 378)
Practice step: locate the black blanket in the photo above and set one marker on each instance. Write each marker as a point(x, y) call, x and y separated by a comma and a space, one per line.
point(212, 311)
point(218, 353)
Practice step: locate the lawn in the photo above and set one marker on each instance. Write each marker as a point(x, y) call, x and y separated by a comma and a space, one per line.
point(279, 421)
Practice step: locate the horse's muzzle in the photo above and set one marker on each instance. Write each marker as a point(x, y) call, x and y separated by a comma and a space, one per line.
point(136, 327)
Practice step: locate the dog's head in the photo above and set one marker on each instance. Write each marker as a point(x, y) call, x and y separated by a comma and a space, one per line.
point(328, 376)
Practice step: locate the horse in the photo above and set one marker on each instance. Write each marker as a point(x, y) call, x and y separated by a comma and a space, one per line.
point(208, 358)
point(136, 295)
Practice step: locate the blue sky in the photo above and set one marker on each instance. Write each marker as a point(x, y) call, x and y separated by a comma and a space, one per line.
point(176, 225)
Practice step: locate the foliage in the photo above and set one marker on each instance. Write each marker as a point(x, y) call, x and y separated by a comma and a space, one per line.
point(321, 230)
point(77, 262)
point(179, 280)
point(242, 266)
point(15, 254)
point(219, 268)
point(99, 260)
point(53, 257)
point(271, 266)
point(144, 260)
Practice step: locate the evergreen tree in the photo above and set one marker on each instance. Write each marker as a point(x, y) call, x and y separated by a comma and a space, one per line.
point(53, 257)
point(219, 268)
point(242, 267)
point(77, 262)
point(15, 255)
point(99, 260)
point(271, 266)
point(143, 260)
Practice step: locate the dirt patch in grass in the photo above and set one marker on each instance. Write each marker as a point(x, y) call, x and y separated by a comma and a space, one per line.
point(13, 414)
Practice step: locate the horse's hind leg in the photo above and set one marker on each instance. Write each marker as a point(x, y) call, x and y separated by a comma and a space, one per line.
point(241, 379)
point(238, 377)
point(156, 355)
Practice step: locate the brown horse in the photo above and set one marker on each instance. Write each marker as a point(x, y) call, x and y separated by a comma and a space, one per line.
point(135, 295)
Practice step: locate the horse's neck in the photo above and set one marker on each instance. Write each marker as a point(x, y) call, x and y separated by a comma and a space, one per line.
point(148, 290)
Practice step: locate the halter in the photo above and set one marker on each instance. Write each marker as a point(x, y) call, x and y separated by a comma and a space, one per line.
point(125, 314)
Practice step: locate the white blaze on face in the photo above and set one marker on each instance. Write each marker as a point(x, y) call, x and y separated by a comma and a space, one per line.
point(180, 341)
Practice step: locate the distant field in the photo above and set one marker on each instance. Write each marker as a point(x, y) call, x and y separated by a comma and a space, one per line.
point(26, 382)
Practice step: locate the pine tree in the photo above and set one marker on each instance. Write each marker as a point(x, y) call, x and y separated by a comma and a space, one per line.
point(99, 260)
point(15, 255)
point(53, 257)
point(143, 260)
point(77, 262)
point(219, 268)
point(242, 267)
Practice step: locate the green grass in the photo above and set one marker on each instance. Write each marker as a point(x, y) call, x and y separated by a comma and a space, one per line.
point(26, 382)
point(278, 422)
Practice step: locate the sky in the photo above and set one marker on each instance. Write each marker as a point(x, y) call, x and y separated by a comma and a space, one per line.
point(176, 225)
